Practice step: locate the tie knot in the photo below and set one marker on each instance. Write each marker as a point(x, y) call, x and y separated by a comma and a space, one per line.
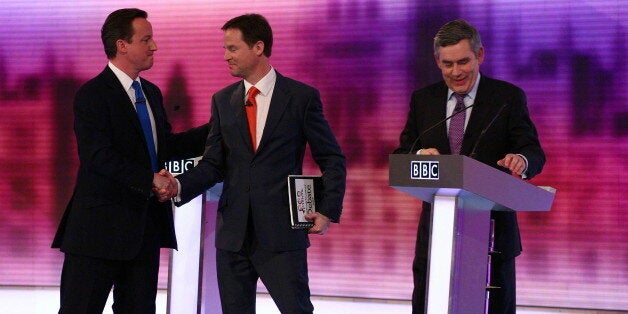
point(253, 91)
point(460, 97)
point(139, 95)
point(250, 98)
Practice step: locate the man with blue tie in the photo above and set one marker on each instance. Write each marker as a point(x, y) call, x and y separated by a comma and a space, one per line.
point(259, 129)
point(113, 227)
point(489, 122)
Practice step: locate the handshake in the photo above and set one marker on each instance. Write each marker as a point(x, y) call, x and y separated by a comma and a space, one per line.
point(165, 186)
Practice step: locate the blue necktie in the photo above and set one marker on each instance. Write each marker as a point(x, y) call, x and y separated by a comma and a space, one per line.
point(142, 114)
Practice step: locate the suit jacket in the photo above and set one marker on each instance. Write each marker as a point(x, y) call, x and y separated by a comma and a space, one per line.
point(511, 132)
point(107, 213)
point(255, 184)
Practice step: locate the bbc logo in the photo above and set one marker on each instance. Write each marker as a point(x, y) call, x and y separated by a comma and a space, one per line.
point(180, 166)
point(424, 170)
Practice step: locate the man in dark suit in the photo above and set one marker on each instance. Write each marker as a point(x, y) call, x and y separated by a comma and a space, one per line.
point(253, 234)
point(509, 143)
point(114, 226)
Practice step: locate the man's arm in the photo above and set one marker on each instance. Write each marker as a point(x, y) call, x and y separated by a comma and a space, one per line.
point(527, 157)
point(208, 171)
point(328, 156)
point(410, 132)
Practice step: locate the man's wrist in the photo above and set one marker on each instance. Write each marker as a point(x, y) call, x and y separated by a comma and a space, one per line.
point(524, 173)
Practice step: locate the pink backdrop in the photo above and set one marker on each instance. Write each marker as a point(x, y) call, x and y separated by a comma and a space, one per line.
point(365, 56)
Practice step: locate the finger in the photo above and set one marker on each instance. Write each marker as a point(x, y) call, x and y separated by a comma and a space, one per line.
point(508, 162)
point(500, 162)
point(516, 167)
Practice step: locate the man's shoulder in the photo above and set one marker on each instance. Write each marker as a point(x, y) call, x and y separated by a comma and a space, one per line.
point(433, 89)
point(96, 84)
point(148, 84)
point(489, 82)
point(291, 83)
point(228, 90)
point(97, 80)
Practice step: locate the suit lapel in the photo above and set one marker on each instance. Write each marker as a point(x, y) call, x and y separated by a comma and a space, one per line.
point(236, 104)
point(125, 105)
point(477, 120)
point(122, 100)
point(278, 104)
point(156, 108)
point(438, 112)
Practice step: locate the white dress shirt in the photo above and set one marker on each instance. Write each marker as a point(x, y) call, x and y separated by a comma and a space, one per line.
point(266, 86)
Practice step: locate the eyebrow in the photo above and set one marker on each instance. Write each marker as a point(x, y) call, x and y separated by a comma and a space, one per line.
point(456, 61)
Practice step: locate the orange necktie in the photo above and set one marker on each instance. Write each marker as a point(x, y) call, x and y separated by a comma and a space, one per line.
point(251, 114)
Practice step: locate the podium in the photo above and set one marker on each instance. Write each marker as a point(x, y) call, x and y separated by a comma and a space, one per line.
point(192, 278)
point(462, 191)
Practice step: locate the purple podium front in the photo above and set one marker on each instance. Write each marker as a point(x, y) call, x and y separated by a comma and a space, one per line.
point(462, 192)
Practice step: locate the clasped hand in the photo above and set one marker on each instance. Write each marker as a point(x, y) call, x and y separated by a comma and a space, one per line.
point(165, 186)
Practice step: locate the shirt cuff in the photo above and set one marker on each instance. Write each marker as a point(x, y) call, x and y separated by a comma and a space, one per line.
point(177, 198)
point(524, 174)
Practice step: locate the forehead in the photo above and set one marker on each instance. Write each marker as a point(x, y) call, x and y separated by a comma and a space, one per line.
point(459, 51)
point(233, 35)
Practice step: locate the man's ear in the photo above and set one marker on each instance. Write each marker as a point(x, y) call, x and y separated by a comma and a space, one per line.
point(259, 48)
point(436, 60)
point(122, 46)
point(480, 55)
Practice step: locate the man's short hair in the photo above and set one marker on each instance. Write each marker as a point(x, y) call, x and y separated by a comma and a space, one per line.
point(254, 27)
point(119, 25)
point(455, 31)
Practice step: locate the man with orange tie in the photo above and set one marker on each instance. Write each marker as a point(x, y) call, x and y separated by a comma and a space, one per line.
point(259, 129)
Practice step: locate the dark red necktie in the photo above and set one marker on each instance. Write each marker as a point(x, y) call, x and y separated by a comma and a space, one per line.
point(251, 114)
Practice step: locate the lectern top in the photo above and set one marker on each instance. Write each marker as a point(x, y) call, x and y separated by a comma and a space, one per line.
point(426, 176)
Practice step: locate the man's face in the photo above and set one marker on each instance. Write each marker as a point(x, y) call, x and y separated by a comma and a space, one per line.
point(242, 59)
point(460, 65)
point(139, 52)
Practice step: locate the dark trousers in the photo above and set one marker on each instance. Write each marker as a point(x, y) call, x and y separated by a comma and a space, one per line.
point(86, 281)
point(501, 301)
point(283, 273)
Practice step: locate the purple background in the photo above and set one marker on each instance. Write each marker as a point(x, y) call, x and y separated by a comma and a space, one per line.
point(365, 57)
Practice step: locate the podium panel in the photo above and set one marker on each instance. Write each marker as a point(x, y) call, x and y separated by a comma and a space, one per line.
point(192, 279)
point(462, 191)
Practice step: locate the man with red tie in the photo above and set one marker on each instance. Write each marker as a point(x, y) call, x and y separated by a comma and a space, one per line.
point(259, 129)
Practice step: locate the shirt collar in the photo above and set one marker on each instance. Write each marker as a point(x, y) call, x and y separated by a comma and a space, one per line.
point(265, 85)
point(124, 79)
point(471, 93)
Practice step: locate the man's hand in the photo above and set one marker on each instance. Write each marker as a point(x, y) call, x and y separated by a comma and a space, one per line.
point(160, 181)
point(165, 185)
point(321, 223)
point(513, 162)
point(428, 151)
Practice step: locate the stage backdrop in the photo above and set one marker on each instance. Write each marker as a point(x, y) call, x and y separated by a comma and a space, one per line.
point(365, 56)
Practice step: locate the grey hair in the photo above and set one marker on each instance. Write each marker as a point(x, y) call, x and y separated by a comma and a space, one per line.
point(455, 31)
